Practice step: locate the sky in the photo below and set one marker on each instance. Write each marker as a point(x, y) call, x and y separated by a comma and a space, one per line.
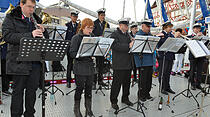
point(114, 8)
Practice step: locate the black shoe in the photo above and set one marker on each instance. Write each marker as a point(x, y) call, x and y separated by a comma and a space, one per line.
point(68, 85)
point(173, 73)
point(127, 102)
point(149, 97)
point(143, 99)
point(164, 92)
point(199, 87)
point(179, 74)
point(193, 87)
point(135, 80)
point(170, 91)
point(102, 84)
point(115, 106)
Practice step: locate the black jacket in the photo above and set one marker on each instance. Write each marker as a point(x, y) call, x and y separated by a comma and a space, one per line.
point(121, 59)
point(14, 28)
point(99, 27)
point(82, 65)
point(71, 31)
point(169, 55)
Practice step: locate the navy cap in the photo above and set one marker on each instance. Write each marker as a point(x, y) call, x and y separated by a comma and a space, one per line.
point(197, 25)
point(148, 22)
point(168, 23)
point(101, 10)
point(124, 21)
point(132, 25)
point(74, 13)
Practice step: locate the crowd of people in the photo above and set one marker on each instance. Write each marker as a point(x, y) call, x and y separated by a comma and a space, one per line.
point(25, 75)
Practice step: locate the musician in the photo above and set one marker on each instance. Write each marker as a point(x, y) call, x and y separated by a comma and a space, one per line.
point(176, 69)
point(145, 65)
point(196, 64)
point(164, 74)
point(25, 74)
point(72, 27)
point(99, 26)
point(122, 63)
point(83, 69)
point(133, 31)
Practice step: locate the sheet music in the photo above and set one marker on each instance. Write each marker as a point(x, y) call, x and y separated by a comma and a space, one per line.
point(87, 46)
point(140, 42)
point(103, 46)
point(198, 48)
point(172, 44)
point(94, 46)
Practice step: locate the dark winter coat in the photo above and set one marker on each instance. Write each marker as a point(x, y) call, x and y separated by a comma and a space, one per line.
point(83, 65)
point(121, 59)
point(14, 28)
point(99, 27)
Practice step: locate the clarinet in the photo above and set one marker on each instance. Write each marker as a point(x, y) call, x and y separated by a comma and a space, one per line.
point(35, 24)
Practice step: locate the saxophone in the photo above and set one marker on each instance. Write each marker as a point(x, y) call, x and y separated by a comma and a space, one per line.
point(79, 26)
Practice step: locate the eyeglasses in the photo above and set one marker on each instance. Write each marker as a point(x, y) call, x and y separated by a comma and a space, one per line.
point(90, 27)
point(30, 6)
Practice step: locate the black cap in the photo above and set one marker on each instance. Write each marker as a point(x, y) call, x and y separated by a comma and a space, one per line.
point(124, 21)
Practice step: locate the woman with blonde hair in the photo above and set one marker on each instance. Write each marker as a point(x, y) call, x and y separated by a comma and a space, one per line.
point(83, 69)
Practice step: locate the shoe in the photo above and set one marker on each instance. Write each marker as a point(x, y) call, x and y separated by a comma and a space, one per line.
point(179, 74)
point(170, 91)
point(164, 92)
point(193, 87)
point(102, 83)
point(68, 85)
point(127, 102)
point(143, 99)
point(173, 73)
point(135, 80)
point(199, 87)
point(115, 106)
point(149, 97)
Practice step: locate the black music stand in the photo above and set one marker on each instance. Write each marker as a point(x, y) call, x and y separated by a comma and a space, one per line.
point(36, 49)
point(142, 44)
point(170, 45)
point(93, 46)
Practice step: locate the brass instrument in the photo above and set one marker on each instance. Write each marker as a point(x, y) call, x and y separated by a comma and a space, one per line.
point(11, 7)
point(46, 18)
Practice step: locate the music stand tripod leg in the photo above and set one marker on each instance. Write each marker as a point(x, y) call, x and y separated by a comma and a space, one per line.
point(71, 91)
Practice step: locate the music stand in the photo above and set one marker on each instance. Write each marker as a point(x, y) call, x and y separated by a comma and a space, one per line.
point(198, 49)
point(201, 51)
point(36, 49)
point(170, 45)
point(93, 46)
point(142, 44)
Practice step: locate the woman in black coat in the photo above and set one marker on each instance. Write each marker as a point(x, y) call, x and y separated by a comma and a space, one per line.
point(83, 69)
